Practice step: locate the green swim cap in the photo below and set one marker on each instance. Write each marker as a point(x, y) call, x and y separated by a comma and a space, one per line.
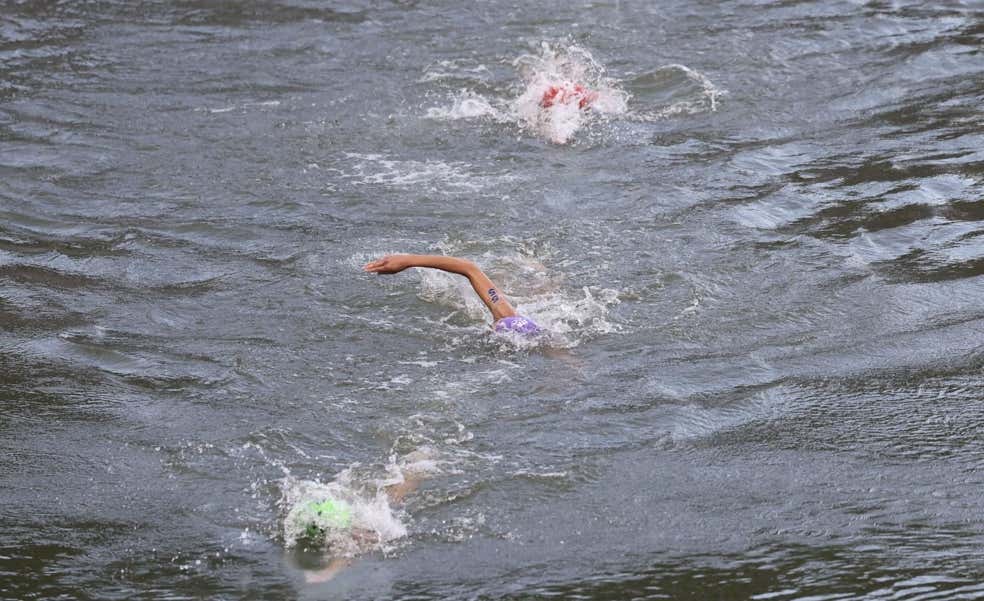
point(327, 514)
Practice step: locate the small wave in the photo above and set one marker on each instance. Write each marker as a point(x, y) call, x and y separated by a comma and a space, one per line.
point(467, 105)
point(673, 90)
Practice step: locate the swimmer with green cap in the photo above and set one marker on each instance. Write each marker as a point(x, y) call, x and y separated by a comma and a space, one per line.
point(330, 514)
point(332, 519)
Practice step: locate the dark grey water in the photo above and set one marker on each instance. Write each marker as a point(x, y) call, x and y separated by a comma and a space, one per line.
point(763, 271)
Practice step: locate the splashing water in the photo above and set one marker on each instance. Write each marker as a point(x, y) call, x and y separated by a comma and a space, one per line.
point(453, 291)
point(359, 524)
point(564, 89)
point(570, 320)
point(341, 517)
point(535, 292)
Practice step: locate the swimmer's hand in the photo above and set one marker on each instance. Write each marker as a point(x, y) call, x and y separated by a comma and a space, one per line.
point(389, 264)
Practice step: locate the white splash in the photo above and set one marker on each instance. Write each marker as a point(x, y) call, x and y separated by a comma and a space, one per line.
point(564, 89)
point(467, 105)
point(450, 290)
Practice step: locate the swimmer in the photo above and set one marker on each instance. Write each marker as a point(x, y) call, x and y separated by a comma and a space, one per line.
point(505, 318)
point(567, 94)
point(332, 520)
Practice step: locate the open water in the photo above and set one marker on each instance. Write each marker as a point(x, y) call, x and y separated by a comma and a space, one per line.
point(760, 254)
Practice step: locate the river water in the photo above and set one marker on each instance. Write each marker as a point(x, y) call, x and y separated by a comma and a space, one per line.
point(760, 256)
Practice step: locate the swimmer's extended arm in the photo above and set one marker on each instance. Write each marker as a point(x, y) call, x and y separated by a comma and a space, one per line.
point(484, 287)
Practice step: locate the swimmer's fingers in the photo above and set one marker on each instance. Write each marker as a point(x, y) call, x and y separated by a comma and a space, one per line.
point(374, 266)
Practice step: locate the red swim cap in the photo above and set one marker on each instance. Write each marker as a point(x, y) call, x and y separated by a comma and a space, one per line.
point(565, 95)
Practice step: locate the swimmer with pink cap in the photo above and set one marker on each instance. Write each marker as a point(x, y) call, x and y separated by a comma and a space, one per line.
point(505, 317)
point(568, 94)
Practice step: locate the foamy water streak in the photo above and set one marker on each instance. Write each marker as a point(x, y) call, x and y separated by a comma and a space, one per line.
point(435, 175)
point(457, 69)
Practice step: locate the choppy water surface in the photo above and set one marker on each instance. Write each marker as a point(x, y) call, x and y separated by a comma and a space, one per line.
point(760, 255)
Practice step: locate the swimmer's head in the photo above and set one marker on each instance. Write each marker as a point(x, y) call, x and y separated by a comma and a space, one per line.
point(518, 324)
point(567, 94)
point(318, 518)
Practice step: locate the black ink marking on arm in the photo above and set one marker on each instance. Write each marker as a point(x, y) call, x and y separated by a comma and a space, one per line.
point(493, 295)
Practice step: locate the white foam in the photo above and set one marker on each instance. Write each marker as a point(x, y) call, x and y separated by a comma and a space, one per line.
point(420, 462)
point(467, 105)
point(243, 106)
point(378, 169)
point(565, 68)
point(374, 523)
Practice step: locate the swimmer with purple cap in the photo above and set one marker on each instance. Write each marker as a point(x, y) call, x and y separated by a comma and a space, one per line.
point(505, 317)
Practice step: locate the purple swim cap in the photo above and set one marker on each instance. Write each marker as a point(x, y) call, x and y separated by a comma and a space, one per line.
point(518, 324)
